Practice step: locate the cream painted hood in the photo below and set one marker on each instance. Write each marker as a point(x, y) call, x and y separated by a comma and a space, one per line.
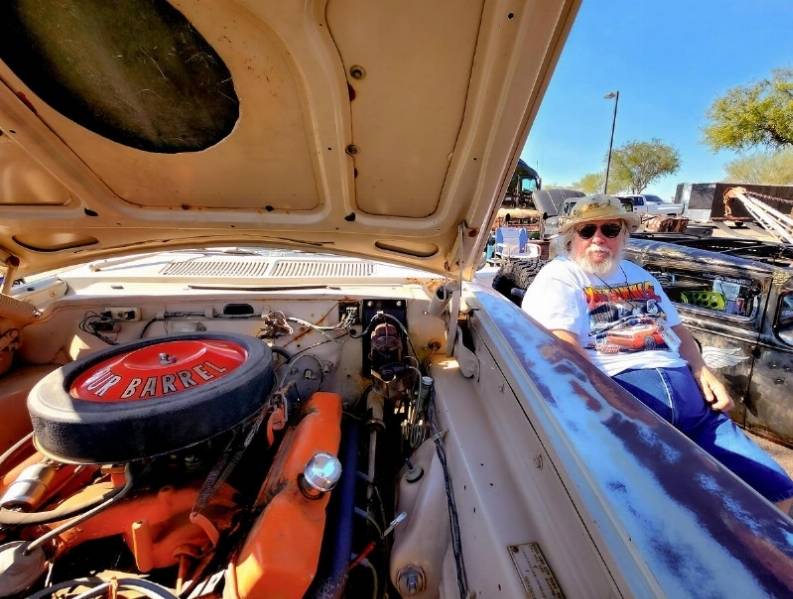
point(384, 129)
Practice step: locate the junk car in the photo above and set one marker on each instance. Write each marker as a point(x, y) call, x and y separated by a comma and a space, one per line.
point(736, 297)
point(242, 352)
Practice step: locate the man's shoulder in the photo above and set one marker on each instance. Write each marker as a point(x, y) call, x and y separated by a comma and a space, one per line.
point(633, 270)
point(558, 264)
point(560, 268)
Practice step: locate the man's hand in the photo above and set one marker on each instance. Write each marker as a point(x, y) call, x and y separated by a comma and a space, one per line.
point(713, 390)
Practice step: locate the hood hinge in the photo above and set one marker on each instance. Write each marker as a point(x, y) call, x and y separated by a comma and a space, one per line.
point(11, 263)
point(454, 305)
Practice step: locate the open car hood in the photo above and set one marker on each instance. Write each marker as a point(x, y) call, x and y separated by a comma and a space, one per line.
point(387, 130)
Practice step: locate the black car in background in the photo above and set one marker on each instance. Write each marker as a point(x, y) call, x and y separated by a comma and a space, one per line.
point(736, 297)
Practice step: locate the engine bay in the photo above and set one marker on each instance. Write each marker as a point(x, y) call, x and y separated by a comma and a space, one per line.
point(242, 450)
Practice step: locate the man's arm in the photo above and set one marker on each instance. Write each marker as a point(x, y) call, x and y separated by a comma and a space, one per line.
point(571, 340)
point(713, 390)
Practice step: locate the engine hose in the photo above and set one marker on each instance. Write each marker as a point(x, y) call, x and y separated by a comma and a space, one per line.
point(281, 352)
point(13, 455)
point(364, 394)
point(116, 496)
point(62, 512)
point(343, 523)
point(147, 588)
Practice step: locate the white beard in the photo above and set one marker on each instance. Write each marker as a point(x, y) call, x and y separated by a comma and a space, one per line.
point(604, 267)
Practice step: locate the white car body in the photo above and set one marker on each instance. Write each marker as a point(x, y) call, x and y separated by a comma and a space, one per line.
point(653, 205)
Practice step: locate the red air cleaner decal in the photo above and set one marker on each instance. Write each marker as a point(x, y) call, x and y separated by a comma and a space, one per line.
point(158, 370)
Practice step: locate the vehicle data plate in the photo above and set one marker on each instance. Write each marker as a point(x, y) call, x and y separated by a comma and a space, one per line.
point(535, 573)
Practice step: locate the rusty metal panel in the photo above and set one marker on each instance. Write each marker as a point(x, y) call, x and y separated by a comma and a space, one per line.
point(710, 196)
point(667, 517)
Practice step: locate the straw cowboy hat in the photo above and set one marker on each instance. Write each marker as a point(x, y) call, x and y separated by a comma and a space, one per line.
point(598, 207)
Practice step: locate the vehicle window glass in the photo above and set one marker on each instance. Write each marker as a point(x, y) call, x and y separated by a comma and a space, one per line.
point(654, 199)
point(638, 201)
point(784, 319)
point(528, 185)
point(711, 292)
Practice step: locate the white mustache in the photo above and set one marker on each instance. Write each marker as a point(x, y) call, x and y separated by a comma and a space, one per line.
point(598, 248)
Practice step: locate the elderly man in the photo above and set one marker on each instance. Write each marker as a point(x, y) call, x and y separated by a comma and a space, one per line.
point(618, 316)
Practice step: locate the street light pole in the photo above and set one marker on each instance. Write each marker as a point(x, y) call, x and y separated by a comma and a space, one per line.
point(616, 96)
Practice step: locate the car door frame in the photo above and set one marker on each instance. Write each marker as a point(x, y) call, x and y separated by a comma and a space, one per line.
point(771, 385)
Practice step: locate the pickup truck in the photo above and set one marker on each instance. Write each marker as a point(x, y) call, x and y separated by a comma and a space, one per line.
point(650, 204)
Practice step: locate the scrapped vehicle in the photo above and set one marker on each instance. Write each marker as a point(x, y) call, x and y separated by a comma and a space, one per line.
point(736, 297)
point(652, 205)
point(550, 205)
point(518, 209)
point(524, 184)
point(549, 201)
point(242, 352)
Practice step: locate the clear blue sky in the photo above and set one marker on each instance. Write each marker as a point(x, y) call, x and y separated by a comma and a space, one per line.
point(669, 59)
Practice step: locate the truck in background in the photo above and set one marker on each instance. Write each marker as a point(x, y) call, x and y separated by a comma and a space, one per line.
point(525, 181)
point(652, 205)
point(705, 201)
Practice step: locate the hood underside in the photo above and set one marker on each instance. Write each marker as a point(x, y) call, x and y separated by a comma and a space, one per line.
point(380, 129)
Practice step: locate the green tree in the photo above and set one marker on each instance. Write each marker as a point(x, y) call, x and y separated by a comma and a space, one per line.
point(769, 168)
point(590, 183)
point(755, 115)
point(593, 183)
point(638, 163)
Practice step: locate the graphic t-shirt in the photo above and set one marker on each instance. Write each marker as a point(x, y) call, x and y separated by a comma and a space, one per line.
point(623, 320)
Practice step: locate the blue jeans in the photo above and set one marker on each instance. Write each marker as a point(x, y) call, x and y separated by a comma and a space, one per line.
point(674, 395)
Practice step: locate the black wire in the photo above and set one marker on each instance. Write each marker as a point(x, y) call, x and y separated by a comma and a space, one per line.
point(110, 499)
point(454, 519)
point(364, 331)
point(147, 325)
point(404, 332)
point(305, 349)
point(88, 325)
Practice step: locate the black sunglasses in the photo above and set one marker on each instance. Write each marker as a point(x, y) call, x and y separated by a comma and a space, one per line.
point(610, 230)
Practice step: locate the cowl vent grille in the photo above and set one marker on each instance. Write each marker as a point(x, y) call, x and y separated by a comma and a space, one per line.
point(217, 268)
point(308, 268)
